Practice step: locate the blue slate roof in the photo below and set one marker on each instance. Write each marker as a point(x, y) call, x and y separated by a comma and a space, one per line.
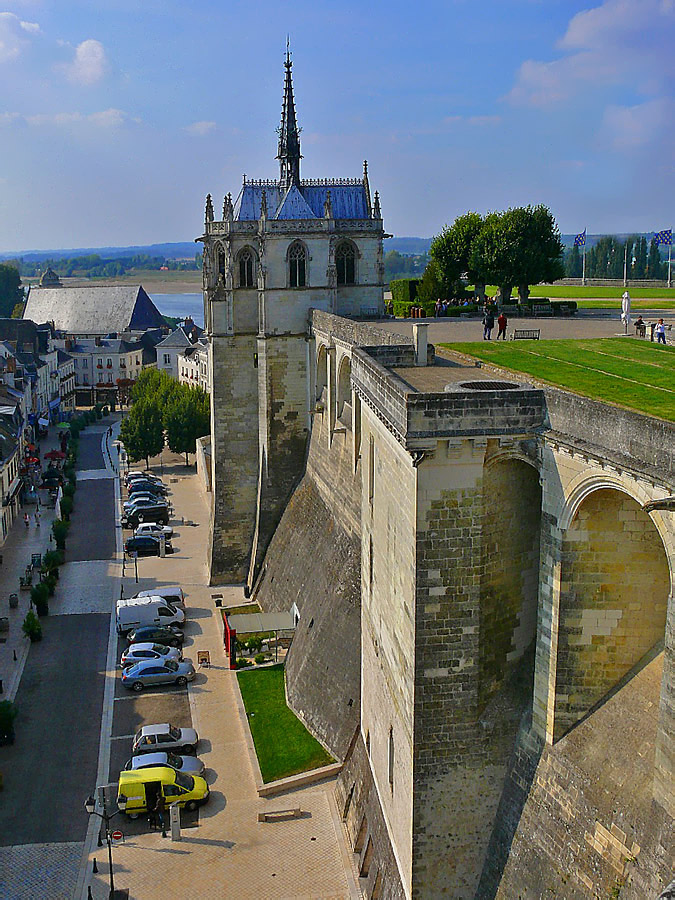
point(349, 201)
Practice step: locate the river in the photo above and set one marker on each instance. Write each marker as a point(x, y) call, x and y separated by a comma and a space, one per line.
point(180, 305)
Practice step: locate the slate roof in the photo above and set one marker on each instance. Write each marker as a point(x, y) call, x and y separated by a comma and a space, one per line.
point(99, 309)
point(177, 338)
point(349, 201)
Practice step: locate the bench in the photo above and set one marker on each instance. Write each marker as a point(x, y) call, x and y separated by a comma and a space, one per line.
point(271, 814)
point(542, 309)
point(526, 334)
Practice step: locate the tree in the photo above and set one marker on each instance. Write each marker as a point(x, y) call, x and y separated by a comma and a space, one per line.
point(574, 263)
point(640, 258)
point(142, 431)
point(187, 418)
point(430, 287)
point(154, 384)
point(451, 250)
point(11, 291)
point(539, 247)
point(654, 264)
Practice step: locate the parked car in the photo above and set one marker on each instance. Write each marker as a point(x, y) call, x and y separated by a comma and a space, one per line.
point(137, 652)
point(146, 545)
point(141, 789)
point(153, 528)
point(153, 512)
point(170, 635)
point(141, 485)
point(151, 738)
point(145, 476)
point(192, 765)
point(143, 499)
point(171, 593)
point(150, 672)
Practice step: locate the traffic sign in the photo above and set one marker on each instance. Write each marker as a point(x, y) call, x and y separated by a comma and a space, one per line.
point(117, 836)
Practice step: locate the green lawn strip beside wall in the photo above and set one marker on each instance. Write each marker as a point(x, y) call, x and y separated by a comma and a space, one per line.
point(283, 744)
point(599, 297)
point(572, 368)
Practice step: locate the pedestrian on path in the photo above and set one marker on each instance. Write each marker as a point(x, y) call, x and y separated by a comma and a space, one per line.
point(488, 324)
point(26, 520)
point(660, 332)
point(502, 321)
point(37, 518)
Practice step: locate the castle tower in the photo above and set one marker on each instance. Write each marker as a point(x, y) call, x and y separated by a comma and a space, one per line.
point(281, 248)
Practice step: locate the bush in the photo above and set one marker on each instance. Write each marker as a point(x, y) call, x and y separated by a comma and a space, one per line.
point(69, 489)
point(60, 531)
point(32, 627)
point(66, 507)
point(39, 595)
point(243, 663)
point(8, 712)
point(253, 644)
point(404, 290)
point(50, 580)
point(51, 560)
point(259, 659)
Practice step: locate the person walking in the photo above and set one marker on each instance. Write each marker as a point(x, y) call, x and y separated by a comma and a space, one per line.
point(37, 518)
point(159, 811)
point(660, 332)
point(488, 324)
point(502, 321)
point(26, 520)
point(437, 308)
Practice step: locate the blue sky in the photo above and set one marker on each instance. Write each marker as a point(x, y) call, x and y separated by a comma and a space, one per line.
point(116, 118)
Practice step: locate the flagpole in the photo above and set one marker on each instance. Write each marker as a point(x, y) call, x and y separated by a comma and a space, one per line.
point(670, 247)
point(583, 265)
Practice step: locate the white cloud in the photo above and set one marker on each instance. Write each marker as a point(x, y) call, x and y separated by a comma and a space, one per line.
point(89, 64)
point(13, 35)
point(106, 118)
point(619, 42)
point(633, 127)
point(200, 129)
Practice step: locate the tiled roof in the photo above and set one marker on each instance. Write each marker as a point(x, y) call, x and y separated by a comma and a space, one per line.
point(177, 338)
point(348, 201)
point(93, 310)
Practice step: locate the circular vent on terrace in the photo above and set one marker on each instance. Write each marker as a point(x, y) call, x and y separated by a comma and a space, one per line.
point(489, 385)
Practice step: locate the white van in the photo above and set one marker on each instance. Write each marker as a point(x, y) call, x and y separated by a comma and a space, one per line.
point(172, 593)
point(138, 611)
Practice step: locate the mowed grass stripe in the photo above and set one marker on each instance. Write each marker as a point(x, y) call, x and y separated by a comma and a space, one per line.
point(650, 354)
point(573, 377)
point(626, 369)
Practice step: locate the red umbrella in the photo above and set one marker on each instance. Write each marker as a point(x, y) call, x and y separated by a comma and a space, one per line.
point(55, 454)
point(31, 460)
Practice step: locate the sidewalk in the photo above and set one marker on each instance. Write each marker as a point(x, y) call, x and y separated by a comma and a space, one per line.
point(16, 552)
point(229, 853)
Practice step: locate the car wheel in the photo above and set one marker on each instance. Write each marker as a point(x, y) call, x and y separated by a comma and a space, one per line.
point(133, 815)
point(175, 643)
point(137, 686)
point(181, 681)
point(188, 749)
point(191, 805)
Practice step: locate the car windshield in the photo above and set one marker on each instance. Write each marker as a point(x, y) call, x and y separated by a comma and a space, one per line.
point(171, 665)
point(174, 732)
point(158, 648)
point(187, 782)
point(174, 760)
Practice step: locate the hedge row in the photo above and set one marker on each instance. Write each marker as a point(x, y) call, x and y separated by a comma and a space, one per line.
point(403, 290)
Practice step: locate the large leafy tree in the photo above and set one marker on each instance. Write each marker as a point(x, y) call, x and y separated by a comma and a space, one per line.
point(187, 417)
point(142, 431)
point(654, 264)
point(156, 384)
point(11, 292)
point(451, 251)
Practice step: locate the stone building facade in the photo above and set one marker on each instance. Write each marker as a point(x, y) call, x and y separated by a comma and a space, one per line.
point(281, 248)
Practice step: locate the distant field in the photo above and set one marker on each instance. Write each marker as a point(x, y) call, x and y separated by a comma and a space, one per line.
point(628, 372)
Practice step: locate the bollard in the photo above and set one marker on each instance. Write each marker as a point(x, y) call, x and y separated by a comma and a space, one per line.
point(95, 867)
point(90, 896)
point(15, 656)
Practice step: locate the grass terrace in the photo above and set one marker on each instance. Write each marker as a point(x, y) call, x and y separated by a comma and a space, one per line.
point(598, 297)
point(282, 743)
point(627, 372)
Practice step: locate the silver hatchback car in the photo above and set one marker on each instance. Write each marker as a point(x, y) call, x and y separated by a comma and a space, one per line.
point(138, 652)
point(191, 765)
point(153, 671)
point(151, 738)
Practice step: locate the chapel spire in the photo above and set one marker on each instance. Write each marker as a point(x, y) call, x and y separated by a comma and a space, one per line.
point(289, 155)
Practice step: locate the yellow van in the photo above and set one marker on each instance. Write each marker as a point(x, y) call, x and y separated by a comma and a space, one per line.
point(141, 788)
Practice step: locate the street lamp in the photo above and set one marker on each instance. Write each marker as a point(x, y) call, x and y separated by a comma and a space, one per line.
point(90, 806)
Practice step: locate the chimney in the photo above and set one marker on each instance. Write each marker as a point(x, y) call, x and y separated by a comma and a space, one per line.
point(69, 343)
point(420, 344)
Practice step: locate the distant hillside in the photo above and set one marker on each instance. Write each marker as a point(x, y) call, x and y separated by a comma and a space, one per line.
point(186, 250)
point(408, 246)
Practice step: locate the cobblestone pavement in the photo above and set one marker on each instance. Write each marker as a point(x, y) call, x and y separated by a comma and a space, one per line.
point(38, 871)
point(229, 854)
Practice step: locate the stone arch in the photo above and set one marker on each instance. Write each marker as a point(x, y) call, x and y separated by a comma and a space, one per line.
point(615, 580)
point(246, 267)
point(509, 584)
point(344, 391)
point(220, 259)
point(297, 263)
point(321, 370)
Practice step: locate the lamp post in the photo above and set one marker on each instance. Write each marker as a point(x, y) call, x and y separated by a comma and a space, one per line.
point(90, 806)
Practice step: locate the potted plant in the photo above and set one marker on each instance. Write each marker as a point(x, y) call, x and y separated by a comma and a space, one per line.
point(39, 595)
point(8, 713)
point(32, 627)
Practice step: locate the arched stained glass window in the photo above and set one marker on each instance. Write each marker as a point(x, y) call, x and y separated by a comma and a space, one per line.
point(246, 268)
point(345, 263)
point(297, 266)
point(221, 262)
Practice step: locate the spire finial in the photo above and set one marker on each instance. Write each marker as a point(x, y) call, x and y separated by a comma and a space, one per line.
point(366, 185)
point(377, 212)
point(289, 155)
point(263, 205)
point(328, 207)
point(208, 214)
point(365, 168)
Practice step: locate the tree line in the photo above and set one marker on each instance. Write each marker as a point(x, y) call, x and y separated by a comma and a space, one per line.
point(93, 265)
point(164, 411)
point(512, 249)
point(607, 257)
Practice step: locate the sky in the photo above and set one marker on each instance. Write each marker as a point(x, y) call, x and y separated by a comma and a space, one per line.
point(116, 118)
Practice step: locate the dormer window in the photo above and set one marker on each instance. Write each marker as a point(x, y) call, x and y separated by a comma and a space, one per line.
point(246, 268)
point(297, 266)
point(345, 263)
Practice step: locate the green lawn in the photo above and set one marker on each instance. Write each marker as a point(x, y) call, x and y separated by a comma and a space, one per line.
point(283, 744)
point(629, 372)
point(600, 297)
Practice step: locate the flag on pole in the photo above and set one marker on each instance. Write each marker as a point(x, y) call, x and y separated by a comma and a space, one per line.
point(664, 237)
point(580, 239)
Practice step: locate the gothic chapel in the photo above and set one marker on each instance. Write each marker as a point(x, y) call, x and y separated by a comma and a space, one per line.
point(282, 248)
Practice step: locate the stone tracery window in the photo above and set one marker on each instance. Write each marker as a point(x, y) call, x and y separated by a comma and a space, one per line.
point(297, 265)
point(246, 268)
point(221, 262)
point(345, 263)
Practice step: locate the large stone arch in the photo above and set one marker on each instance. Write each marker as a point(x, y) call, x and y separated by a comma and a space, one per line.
point(344, 389)
point(614, 585)
point(510, 566)
point(321, 370)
